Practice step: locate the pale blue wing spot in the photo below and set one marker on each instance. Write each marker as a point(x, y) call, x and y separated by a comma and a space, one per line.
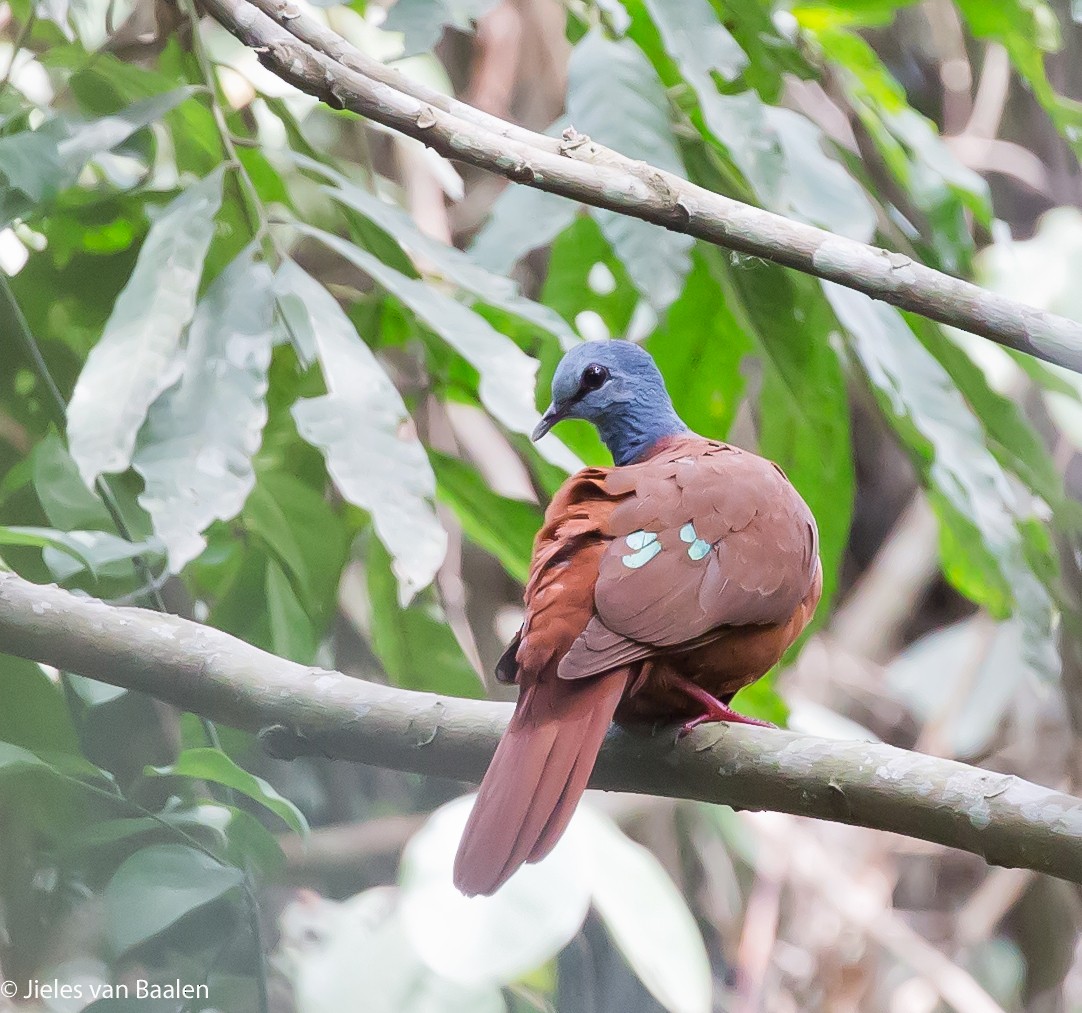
point(640, 539)
point(687, 533)
point(643, 556)
point(699, 548)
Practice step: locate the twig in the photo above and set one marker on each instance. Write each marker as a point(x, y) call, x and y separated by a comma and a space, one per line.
point(586, 171)
point(1008, 821)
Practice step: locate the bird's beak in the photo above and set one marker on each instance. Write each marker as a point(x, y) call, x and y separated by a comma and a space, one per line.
point(548, 420)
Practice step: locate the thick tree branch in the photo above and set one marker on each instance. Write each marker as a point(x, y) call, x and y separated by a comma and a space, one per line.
point(1009, 821)
point(320, 63)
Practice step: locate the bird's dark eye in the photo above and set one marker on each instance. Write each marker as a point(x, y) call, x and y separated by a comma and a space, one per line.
point(593, 376)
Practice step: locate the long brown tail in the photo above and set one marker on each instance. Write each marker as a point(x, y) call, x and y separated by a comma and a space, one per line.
point(536, 777)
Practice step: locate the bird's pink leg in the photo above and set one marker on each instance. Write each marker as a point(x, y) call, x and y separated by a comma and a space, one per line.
point(713, 709)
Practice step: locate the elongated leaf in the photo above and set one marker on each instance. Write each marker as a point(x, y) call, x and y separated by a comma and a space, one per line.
point(35, 714)
point(984, 551)
point(454, 265)
point(214, 765)
point(505, 527)
point(414, 643)
point(195, 451)
point(42, 163)
point(63, 495)
point(1009, 434)
point(305, 534)
point(647, 917)
point(364, 430)
point(42, 538)
point(292, 635)
point(945, 192)
point(422, 21)
point(503, 242)
point(699, 354)
point(615, 97)
point(804, 417)
point(1028, 30)
point(507, 373)
point(85, 139)
point(157, 887)
point(135, 360)
point(779, 152)
point(108, 556)
point(497, 939)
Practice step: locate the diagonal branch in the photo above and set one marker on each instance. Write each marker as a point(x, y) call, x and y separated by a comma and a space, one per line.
point(320, 63)
point(1009, 821)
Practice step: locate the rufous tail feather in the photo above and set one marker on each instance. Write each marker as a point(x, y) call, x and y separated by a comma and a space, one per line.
point(536, 778)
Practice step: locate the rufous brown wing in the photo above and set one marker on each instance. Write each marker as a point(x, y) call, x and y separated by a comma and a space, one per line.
point(656, 591)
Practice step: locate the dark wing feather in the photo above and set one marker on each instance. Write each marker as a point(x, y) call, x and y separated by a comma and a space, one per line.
point(760, 562)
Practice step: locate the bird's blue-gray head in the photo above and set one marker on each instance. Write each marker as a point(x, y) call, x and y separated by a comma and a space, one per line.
point(616, 386)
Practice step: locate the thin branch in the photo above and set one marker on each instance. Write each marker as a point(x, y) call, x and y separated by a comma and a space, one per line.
point(1008, 821)
point(578, 168)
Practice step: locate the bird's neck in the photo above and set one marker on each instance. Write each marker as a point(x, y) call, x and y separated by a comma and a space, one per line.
point(631, 435)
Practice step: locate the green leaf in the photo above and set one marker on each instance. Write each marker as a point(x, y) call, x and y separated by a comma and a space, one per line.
point(503, 242)
point(364, 430)
point(647, 917)
point(106, 556)
point(699, 354)
point(1028, 30)
point(214, 765)
point(88, 138)
point(292, 635)
point(584, 276)
point(495, 940)
point(846, 12)
point(615, 97)
point(778, 151)
point(195, 450)
point(761, 700)
point(135, 360)
point(983, 550)
point(1009, 435)
point(415, 645)
point(157, 887)
point(46, 538)
point(40, 164)
point(505, 527)
point(431, 256)
point(304, 534)
point(30, 161)
point(506, 372)
point(422, 21)
point(944, 192)
point(694, 36)
point(804, 417)
point(35, 715)
point(63, 495)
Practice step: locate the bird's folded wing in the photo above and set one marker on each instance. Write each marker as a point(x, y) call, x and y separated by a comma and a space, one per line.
point(705, 537)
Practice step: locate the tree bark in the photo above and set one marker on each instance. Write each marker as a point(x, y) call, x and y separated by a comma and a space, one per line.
point(300, 710)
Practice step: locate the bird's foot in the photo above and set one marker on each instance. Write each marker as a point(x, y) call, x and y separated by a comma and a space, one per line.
point(714, 710)
point(721, 712)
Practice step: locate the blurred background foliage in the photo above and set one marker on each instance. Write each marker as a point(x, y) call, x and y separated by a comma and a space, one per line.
point(272, 368)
